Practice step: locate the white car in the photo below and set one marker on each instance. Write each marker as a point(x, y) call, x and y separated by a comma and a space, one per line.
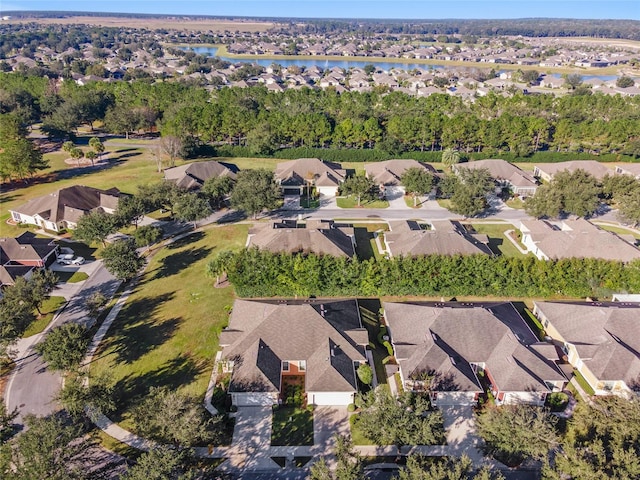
point(65, 259)
point(78, 261)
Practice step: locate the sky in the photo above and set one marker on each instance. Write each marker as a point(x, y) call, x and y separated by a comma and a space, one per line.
point(390, 9)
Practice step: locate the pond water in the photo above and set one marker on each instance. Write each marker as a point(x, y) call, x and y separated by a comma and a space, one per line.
point(346, 64)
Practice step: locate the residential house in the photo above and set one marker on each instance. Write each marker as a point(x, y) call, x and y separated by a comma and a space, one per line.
point(388, 174)
point(442, 237)
point(632, 169)
point(294, 175)
point(455, 350)
point(270, 344)
point(576, 239)
point(20, 255)
point(546, 171)
point(63, 208)
point(315, 236)
point(506, 175)
point(192, 176)
point(601, 340)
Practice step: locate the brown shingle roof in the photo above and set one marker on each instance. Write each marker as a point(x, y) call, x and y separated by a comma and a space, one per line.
point(597, 169)
point(321, 238)
point(296, 172)
point(444, 238)
point(73, 201)
point(273, 331)
point(193, 175)
point(26, 247)
point(389, 172)
point(605, 335)
point(448, 337)
point(503, 171)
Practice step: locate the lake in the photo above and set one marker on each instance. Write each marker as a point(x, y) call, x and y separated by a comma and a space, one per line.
point(346, 64)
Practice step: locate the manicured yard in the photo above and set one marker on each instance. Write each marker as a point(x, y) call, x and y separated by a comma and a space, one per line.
point(498, 242)
point(167, 333)
point(48, 309)
point(71, 277)
point(515, 202)
point(365, 241)
point(352, 202)
point(409, 200)
point(292, 426)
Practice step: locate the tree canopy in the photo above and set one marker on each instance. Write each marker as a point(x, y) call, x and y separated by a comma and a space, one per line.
point(122, 260)
point(576, 193)
point(255, 191)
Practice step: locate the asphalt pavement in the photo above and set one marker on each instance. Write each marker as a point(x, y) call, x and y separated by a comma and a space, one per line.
point(32, 387)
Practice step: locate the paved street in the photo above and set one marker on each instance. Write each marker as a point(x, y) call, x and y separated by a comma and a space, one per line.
point(32, 387)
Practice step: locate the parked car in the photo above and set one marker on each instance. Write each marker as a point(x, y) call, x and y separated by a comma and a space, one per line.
point(65, 259)
point(78, 261)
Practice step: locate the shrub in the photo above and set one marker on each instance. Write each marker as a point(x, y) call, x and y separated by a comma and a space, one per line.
point(388, 347)
point(351, 407)
point(557, 401)
point(365, 374)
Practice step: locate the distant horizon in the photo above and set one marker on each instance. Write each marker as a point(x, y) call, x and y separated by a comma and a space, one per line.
point(426, 10)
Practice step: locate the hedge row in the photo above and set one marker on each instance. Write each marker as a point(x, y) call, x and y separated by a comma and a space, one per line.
point(373, 155)
point(256, 273)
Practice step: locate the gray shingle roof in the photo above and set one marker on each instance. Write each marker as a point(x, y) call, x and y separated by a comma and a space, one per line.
point(448, 337)
point(26, 247)
point(605, 335)
point(444, 238)
point(327, 334)
point(579, 239)
point(503, 171)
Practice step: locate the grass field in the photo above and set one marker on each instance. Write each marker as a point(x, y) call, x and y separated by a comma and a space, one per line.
point(352, 202)
point(357, 436)
point(292, 426)
point(498, 242)
point(167, 333)
point(48, 309)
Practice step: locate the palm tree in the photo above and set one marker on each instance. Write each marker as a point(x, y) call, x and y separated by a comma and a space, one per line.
point(450, 157)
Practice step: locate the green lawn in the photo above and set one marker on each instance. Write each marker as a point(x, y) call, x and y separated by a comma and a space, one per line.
point(619, 230)
point(515, 202)
point(357, 436)
point(365, 242)
point(71, 277)
point(167, 333)
point(292, 426)
point(352, 202)
point(498, 242)
point(409, 201)
point(48, 309)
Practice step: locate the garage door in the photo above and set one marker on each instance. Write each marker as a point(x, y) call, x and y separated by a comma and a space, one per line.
point(330, 398)
point(291, 191)
point(252, 399)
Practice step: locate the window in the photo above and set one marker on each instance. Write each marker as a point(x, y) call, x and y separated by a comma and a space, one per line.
point(302, 365)
point(285, 366)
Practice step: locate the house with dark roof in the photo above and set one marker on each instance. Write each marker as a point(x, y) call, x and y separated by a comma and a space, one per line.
point(20, 255)
point(601, 340)
point(193, 175)
point(446, 349)
point(441, 237)
point(294, 175)
point(505, 174)
point(63, 208)
point(269, 342)
point(322, 237)
point(546, 171)
point(577, 238)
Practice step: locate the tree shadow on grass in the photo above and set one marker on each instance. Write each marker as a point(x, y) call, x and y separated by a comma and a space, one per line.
point(173, 374)
point(177, 262)
point(185, 241)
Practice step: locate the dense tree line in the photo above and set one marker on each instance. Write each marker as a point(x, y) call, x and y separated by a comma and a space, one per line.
point(394, 123)
point(256, 273)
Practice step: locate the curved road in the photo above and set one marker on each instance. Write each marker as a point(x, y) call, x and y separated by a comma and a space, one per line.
point(32, 387)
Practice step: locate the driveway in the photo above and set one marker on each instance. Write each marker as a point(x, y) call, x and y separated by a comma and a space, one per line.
point(329, 421)
point(460, 425)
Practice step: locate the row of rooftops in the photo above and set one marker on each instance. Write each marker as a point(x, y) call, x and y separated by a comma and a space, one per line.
point(448, 339)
